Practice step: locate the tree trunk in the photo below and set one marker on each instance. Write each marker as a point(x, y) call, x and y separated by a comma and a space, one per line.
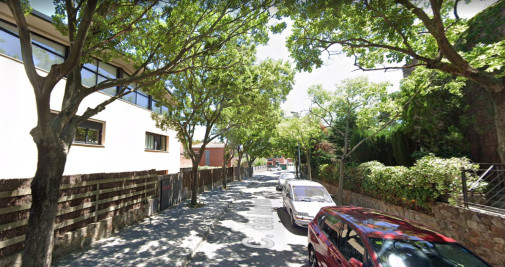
point(499, 119)
point(224, 175)
point(340, 196)
point(309, 169)
point(52, 156)
point(239, 173)
point(250, 169)
point(194, 186)
point(296, 168)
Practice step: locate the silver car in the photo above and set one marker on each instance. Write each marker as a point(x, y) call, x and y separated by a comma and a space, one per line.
point(303, 199)
point(282, 179)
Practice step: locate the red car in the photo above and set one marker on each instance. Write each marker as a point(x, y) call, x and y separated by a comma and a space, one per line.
point(359, 237)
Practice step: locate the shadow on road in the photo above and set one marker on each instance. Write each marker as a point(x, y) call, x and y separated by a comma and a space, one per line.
point(284, 217)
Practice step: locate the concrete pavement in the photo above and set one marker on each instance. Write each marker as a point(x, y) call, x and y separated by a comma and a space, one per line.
point(169, 238)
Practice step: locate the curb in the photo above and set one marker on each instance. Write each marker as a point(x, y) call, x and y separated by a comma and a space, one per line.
point(187, 259)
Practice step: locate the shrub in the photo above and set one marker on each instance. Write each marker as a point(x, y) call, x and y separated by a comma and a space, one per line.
point(328, 172)
point(260, 162)
point(430, 179)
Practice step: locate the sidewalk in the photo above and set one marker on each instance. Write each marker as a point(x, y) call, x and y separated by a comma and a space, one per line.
point(168, 238)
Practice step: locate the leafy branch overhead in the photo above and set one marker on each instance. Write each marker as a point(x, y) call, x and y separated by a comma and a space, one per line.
point(399, 34)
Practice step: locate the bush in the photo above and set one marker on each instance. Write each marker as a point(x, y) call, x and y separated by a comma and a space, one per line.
point(328, 172)
point(260, 162)
point(430, 179)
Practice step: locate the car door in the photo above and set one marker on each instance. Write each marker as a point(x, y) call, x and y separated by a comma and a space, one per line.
point(319, 240)
point(330, 237)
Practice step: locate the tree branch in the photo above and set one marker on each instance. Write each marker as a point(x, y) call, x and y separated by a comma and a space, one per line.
point(26, 48)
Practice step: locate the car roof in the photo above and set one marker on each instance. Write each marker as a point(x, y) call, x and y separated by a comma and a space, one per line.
point(376, 224)
point(301, 182)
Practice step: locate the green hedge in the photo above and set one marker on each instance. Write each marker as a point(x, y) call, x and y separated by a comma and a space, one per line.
point(430, 179)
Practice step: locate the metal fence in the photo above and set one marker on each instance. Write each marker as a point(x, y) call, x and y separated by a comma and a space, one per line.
point(492, 196)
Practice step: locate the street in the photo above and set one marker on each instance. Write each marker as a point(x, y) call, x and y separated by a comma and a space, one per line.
point(255, 231)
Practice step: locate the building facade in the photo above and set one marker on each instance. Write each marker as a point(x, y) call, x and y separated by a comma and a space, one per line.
point(213, 155)
point(121, 138)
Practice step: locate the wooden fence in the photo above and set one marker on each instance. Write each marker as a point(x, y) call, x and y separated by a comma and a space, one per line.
point(91, 198)
point(84, 199)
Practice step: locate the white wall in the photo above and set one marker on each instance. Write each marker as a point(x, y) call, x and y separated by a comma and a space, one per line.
point(123, 146)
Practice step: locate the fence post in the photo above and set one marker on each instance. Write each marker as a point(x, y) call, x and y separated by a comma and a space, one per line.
point(97, 198)
point(463, 184)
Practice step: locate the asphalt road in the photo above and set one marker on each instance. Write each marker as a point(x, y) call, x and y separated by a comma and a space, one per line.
point(255, 231)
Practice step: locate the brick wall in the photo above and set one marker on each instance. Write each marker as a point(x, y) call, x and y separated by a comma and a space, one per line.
point(481, 232)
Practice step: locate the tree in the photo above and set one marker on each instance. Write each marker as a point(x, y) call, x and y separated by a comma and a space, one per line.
point(228, 154)
point(204, 97)
point(158, 38)
point(268, 84)
point(435, 120)
point(356, 103)
point(304, 131)
point(384, 34)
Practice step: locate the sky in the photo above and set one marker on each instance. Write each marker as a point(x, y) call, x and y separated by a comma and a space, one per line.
point(338, 68)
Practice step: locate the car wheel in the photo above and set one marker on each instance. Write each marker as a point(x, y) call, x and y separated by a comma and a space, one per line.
point(312, 257)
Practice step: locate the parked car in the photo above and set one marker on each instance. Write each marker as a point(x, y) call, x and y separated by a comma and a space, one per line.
point(303, 199)
point(353, 236)
point(274, 168)
point(282, 179)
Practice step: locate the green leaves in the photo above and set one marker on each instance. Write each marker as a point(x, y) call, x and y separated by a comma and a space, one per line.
point(490, 57)
point(428, 180)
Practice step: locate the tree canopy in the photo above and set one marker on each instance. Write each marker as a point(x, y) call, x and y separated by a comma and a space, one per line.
point(396, 34)
point(155, 38)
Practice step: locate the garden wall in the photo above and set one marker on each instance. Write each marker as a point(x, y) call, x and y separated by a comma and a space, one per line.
point(480, 231)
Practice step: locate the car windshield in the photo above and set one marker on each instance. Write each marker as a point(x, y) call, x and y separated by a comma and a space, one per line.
point(401, 253)
point(287, 176)
point(310, 193)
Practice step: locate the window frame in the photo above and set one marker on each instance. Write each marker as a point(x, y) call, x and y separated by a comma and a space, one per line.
point(34, 43)
point(101, 135)
point(148, 149)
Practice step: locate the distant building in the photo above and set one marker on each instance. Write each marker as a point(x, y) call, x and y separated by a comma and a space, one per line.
point(279, 161)
point(213, 155)
point(186, 163)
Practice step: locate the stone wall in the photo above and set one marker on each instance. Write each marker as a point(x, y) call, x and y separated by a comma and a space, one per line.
point(481, 232)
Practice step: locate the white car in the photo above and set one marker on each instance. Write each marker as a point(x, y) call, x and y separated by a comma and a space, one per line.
point(303, 199)
point(282, 179)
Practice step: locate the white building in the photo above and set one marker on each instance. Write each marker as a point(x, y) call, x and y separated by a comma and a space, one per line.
point(121, 138)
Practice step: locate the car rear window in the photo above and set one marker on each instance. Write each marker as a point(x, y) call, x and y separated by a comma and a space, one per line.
point(310, 193)
point(392, 253)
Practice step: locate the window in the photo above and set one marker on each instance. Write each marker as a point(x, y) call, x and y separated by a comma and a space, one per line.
point(156, 142)
point(89, 132)
point(330, 227)
point(45, 52)
point(98, 71)
point(351, 245)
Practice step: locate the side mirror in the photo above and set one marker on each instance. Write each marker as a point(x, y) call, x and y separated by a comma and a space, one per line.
point(355, 263)
point(332, 195)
